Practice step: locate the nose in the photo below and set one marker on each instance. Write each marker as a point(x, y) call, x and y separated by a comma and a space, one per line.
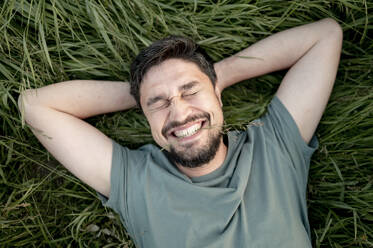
point(179, 109)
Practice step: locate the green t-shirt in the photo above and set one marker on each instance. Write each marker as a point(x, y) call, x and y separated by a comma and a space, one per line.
point(257, 198)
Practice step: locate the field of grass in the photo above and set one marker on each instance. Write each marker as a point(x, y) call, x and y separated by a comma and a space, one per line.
point(44, 42)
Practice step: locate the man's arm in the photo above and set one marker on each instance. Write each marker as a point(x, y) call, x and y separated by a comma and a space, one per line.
point(54, 112)
point(312, 51)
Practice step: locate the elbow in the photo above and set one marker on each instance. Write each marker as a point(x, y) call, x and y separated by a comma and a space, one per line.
point(21, 105)
point(331, 34)
point(26, 102)
point(333, 29)
point(23, 100)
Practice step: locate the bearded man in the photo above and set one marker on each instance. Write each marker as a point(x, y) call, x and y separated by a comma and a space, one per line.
point(200, 187)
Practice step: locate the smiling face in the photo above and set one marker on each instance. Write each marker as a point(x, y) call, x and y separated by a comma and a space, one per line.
point(183, 110)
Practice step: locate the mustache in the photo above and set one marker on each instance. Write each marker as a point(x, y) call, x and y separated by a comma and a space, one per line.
point(174, 124)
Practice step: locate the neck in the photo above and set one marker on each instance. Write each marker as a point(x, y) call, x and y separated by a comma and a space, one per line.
point(209, 167)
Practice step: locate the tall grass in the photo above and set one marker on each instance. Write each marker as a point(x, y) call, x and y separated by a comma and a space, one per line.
point(44, 42)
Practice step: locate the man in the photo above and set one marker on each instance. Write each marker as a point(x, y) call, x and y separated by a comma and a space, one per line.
point(202, 189)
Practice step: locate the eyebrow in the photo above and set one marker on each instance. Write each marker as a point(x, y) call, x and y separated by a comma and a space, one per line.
point(188, 86)
point(183, 87)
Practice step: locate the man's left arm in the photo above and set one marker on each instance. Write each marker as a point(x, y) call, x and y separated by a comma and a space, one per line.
point(311, 51)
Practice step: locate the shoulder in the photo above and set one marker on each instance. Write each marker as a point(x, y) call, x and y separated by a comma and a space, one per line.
point(136, 155)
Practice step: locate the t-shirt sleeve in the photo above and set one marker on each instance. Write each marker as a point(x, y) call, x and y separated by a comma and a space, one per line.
point(119, 171)
point(286, 135)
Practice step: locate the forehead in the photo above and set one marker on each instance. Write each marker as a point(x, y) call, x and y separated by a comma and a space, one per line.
point(170, 75)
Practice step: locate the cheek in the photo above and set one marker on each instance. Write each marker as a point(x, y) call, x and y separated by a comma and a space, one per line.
point(156, 124)
point(212, 104)
point(209, 103)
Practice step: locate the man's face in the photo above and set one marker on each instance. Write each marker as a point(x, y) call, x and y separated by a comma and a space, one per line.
point(183, 110)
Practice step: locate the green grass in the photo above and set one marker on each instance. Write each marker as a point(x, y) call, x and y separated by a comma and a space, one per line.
point(44, 42)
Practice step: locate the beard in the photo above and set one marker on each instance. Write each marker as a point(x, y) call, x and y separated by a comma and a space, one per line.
point(191, 156)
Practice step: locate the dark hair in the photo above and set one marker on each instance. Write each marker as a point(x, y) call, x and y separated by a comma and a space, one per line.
point(170, 47)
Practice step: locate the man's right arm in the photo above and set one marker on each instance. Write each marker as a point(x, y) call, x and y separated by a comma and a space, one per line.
point(54, 113)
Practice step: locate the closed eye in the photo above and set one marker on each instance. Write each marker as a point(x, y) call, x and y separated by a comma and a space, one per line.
point(188, 94)
point(160, 104)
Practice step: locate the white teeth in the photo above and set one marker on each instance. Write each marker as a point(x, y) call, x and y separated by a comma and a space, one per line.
point(189, 131)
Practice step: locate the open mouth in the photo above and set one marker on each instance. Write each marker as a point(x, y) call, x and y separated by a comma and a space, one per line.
point(187, 129)
point(187, 132)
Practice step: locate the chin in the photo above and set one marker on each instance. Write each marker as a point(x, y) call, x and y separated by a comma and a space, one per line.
point(193, 157)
